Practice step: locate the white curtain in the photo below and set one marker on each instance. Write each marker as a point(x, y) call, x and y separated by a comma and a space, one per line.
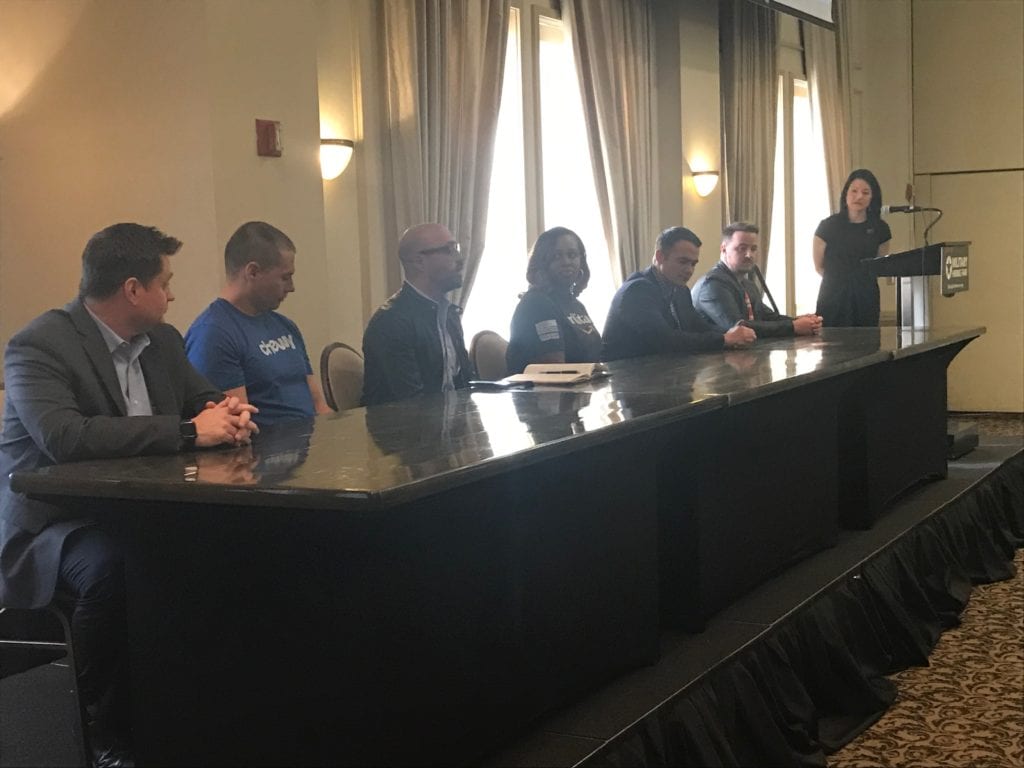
point(826, 57)
point(749, 83)
point(611, 46)
point(443, 62)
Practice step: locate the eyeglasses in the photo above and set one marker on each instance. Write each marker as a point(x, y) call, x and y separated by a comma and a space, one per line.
point(452, 248)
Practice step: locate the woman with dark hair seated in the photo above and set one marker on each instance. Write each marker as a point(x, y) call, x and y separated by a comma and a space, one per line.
point(550, 325)
point(849, 293)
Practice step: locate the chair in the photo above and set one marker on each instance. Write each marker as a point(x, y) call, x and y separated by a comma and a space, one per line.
point(31, 638)
point(487, 353)
point(341, 372)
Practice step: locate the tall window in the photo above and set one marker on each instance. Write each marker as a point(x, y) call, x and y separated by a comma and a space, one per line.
point(569, 192)
point(502, 265)
point(542, 175)
point(800, 200)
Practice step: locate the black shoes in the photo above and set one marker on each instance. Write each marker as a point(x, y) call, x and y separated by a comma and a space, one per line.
point(107, 747)
point(113, 758)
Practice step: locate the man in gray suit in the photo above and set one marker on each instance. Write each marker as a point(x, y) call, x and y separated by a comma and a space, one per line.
point(102, 378)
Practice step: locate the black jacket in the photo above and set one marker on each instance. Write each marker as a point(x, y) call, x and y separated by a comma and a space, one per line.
point(718, 297)
point(402, 349)
point(641, 322)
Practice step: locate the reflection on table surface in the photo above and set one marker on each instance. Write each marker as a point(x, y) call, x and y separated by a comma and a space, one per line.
point(348, 458)
point(911, 341)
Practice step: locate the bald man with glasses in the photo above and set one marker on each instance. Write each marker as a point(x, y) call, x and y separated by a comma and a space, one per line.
point(414, 342)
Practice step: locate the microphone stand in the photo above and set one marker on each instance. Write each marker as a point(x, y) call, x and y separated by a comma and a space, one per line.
point(764, 286)
point(924, 248)
point(933, 223)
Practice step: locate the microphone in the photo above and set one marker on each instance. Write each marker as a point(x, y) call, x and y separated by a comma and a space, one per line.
point(905, 209)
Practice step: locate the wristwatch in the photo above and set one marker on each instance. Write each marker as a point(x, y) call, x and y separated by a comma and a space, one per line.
point(187, 431)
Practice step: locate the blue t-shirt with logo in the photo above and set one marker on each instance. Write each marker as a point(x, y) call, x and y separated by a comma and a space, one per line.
point(264, 353)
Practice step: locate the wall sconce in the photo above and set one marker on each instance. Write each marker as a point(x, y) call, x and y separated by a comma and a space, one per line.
point(705, 182)
point(335, 155)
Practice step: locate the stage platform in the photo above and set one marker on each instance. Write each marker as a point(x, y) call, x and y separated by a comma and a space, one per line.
point(769, 681)
point(686, 707)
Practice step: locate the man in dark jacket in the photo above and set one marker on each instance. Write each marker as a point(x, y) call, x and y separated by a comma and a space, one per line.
point(726, 295)
point(102, 378)
point(652, 312)
point(414, 342)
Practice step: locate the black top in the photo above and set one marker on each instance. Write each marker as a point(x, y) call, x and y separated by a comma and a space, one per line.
point(650, 316)
point(402, 349)
point(719, 298)
point(547, 322)
point(849, 293)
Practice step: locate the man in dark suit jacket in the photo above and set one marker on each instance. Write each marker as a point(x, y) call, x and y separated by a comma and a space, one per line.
point(101, 378)
point(726, 296)
point(652, 313)
point(414, 342)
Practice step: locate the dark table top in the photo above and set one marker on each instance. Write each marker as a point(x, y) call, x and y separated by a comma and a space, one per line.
point(370, 458)
point(906, 343)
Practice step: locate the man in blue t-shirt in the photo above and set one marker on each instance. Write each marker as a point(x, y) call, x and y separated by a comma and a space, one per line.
point(246, 348)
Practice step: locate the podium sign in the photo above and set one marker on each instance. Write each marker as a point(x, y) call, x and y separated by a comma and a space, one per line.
point(936, 259)
point(954, 268)
point(912, 268)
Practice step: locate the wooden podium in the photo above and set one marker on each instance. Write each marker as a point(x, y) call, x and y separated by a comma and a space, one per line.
point(913, 267)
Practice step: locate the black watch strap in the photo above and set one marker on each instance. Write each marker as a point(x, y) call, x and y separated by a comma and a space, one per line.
point(188, 433)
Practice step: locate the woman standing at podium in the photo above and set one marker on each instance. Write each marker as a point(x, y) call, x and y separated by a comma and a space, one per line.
point(849, 293)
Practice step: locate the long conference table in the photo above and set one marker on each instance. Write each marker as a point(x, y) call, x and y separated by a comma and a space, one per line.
point(416, 581)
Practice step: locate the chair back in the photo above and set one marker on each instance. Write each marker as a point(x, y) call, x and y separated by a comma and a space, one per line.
point(487, 353)
point(30, 638)
point(341, 372)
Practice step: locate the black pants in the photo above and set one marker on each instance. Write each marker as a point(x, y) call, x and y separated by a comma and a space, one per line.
point(92, 573)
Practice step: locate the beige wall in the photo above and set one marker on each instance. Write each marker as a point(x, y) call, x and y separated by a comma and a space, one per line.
point(263, 64)
point(881, 115)
point(686, 103)
point(338, 72)
point(700, 126)
point(968, 85)
point(988, 374)
point(938, 101)
point(114, 126)
point(143, 110)
point(666, 105)
point(968, 124)
point(362, 271)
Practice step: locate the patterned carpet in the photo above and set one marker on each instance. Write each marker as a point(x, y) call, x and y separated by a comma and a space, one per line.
point(994, 424)
point(967, 708)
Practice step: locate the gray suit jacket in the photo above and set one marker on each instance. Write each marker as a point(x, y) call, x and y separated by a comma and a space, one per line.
point(718, 297)
point(63, 403)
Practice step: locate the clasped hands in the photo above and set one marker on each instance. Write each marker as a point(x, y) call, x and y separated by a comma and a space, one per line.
point(806, 325)
point(227, 422)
